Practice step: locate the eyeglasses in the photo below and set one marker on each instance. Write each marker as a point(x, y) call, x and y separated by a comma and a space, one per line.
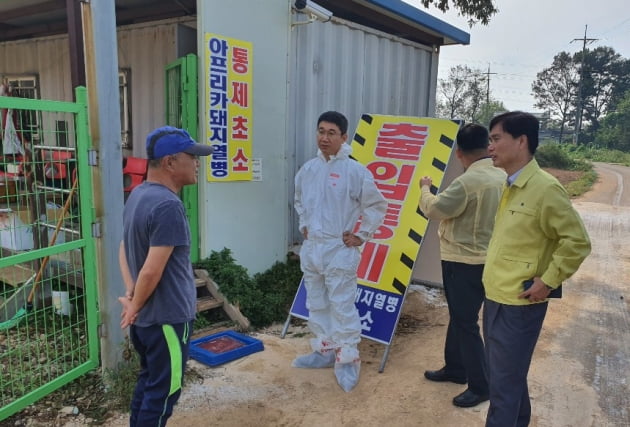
point(328, 133)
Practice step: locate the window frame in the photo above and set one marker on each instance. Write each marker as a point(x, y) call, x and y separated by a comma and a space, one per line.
point(19, 90)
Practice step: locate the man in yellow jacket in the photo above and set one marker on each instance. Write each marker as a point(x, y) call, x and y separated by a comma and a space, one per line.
point(466, 210)
point(538, 236)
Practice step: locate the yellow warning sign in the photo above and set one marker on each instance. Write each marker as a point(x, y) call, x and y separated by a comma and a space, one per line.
point(229, 108)
point(399, 151)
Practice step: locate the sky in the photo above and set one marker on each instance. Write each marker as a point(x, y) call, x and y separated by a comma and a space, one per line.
point(524, 36)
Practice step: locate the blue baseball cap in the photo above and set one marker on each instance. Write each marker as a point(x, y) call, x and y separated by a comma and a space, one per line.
point(167, 140)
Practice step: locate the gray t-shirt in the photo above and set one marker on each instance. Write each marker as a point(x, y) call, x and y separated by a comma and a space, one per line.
point(155, 216)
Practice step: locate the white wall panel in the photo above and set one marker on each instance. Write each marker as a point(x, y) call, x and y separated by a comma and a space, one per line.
point(250, 217)
point(342, 66)
point(46, 58)
point(145, 49)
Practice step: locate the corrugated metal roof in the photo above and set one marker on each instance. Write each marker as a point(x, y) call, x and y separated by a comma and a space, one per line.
point(397, 18)
point(23, 19)
point(451, 34)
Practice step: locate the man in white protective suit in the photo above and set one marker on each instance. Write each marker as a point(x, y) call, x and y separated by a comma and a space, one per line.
point(331, 192)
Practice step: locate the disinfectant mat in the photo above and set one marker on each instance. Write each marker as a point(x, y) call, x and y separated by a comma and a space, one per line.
point(223, 347)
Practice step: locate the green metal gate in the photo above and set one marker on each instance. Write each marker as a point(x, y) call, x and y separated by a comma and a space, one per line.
point(181, 111)
point(48, 282)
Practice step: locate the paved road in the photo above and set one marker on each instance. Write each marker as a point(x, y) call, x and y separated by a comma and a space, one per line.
point(588, 334)
point(613, 187)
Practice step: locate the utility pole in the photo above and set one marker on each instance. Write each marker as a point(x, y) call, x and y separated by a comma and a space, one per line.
point(487, 73)
point(578, 112)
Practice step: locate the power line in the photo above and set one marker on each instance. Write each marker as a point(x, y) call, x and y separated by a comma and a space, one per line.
point(614, 27)
point(578, 113)
point(487, 73)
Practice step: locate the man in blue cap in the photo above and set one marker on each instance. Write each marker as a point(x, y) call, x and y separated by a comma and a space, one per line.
point(160, 301)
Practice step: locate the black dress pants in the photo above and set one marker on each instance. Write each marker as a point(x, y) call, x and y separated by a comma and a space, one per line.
point(511, 333)
point(464, 355)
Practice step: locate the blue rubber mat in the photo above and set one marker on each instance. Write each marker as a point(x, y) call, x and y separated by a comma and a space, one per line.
point(223, 347)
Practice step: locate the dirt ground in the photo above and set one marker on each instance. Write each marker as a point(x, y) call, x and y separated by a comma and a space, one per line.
point(579, 375)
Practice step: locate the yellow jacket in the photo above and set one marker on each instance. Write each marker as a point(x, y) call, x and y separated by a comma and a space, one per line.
point(537, 233)
point(466, 210)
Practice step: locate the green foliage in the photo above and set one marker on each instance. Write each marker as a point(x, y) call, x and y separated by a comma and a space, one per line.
point(474, 10)
point(263, 299)
point(465, 96)
point(571, 157)
point(232, 278)
point(279, 284)
point(556, 156)
point(555, 90)
point(201, 321)
point(582, 185)
point(489, 110)
point(601, 73)
point(594, 154)
point(604, 84)
point(614, 132)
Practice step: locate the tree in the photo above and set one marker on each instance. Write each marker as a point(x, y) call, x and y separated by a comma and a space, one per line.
point(453, 92)
point(606, 79)
point(463, 96)
point(475, 97)
point(614, 132)
point(489, 110)
point(475, 10)
point(555, 89)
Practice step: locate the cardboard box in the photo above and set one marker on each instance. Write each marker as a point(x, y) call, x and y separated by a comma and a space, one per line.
point(16, 230)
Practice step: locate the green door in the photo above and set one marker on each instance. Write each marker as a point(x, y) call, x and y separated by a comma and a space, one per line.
point(181, 111)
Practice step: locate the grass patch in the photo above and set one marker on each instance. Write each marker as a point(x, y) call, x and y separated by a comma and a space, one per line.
point(602, 155)
point(584, 153)
point(40, 348)
point(582, 185)
point(566, 157)
point(122, 380)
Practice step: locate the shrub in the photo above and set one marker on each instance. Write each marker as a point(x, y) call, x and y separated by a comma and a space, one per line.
point(561, 157)
point(604, 155)
point(553, 156)
point(279, 284)
point(263, 299)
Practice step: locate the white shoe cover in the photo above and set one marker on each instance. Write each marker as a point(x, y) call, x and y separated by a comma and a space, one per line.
point(315, 360)
point(348, 374)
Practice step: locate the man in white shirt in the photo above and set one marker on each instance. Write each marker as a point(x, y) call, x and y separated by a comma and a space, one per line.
point(331, 192)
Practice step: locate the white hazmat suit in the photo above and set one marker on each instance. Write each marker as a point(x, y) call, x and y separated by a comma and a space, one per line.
point(330, 196)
